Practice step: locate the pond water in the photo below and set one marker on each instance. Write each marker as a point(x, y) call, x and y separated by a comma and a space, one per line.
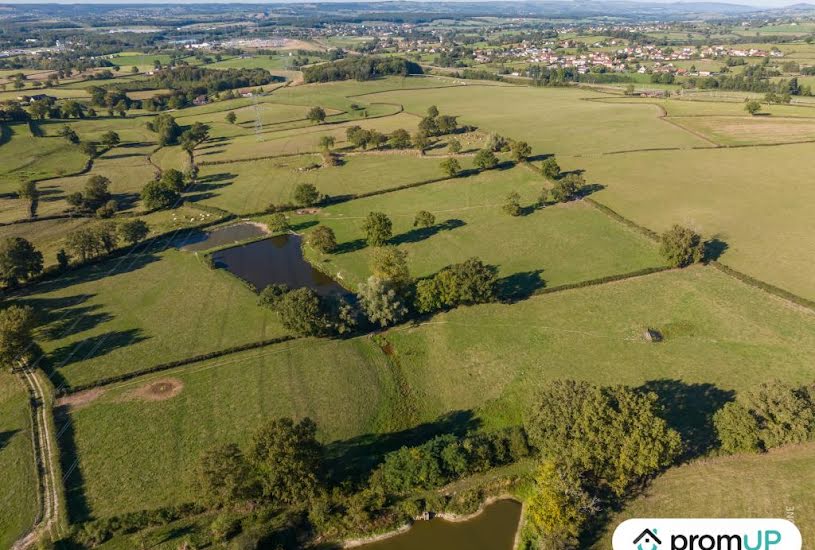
point(205, 240)
point(276, 260)
point(492, 529)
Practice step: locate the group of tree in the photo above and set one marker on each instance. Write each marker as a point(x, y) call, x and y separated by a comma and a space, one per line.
point(166, 128)
point(95, 198)
point(164, 191)
point(767, 416)
point(365, 139)
point(19, 261)
point(360, 68)
point(469, 282)
point(101, 238)
point(436, 124)
point(595, 444)
point(306, 313)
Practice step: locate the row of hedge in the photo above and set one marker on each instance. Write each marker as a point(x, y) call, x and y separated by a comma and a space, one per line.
point(766, 287)
point(622, 219)
point(68, 390)
point(601, 280)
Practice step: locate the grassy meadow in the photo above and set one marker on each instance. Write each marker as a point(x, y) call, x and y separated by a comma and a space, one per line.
point(18, 484)
point(24, 157)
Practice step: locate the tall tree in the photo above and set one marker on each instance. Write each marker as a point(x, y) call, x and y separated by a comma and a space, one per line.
point(19, 260)
point(16, 335)
point(378, 228)
point(681, 246)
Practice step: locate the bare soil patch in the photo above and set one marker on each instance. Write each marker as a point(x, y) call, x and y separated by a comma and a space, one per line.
point(80, 399)
point(158, 390)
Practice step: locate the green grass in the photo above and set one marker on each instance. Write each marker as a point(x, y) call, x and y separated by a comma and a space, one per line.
point(564, 243)
point(552, 120)
point(486, 358)
point(23, 157)
point(343, 385)
point(778, 484)
point(18, 484)
point(754, 199)
point(141, 310)
point(247, 187)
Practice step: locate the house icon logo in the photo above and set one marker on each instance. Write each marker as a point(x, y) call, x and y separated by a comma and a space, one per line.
point(648, 540)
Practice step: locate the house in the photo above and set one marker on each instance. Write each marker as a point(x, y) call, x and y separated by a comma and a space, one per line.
point(200, 100)
point(33, 98)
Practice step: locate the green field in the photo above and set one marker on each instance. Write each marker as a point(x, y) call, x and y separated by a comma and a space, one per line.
point(778, 484)
point(560, 244)
point(18, 486)
point(24, 157)
point(489, 358)
point(754, 199)
point(174, 307)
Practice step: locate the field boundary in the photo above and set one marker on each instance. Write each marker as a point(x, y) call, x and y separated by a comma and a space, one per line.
point(766, 287)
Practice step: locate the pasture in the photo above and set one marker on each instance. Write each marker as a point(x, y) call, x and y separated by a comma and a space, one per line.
point(754, 199)
point(25, 157)
point(487, 359)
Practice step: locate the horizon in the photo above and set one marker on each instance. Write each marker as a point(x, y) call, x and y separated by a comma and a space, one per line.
point(769, 4)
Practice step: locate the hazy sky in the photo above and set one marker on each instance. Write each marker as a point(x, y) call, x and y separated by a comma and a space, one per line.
point(762, 3)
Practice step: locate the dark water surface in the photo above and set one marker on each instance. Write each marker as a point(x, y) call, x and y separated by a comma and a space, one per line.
point(276, 260)
point(204, 240)
point(492, 529)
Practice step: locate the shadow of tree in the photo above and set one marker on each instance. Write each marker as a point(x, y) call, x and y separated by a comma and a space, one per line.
point(589, 189)
point(713, 249)
point(689, 409)
point(301, 226)
point(95, 346)
point(353, 459)
point(350, 246)
point(520, 286)
point(77, 501)
point(5, 437)
point(421, 233)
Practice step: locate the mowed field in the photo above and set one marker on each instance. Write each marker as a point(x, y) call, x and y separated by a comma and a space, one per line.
point(755, 199)
point(24, 157)
point(720, 336)
point(778, 484)
point(18, 483)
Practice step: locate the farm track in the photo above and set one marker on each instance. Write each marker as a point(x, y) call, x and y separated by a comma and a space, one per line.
point(49, 503)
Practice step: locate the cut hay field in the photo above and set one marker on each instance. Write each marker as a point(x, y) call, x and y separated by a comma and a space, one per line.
point(18, 483)
point(756, 200)
point(246, 187)
point(558, 244)
point(552, 120)
point(141, 310)
point(777, 484)
point(486, 358)
point(747, 130)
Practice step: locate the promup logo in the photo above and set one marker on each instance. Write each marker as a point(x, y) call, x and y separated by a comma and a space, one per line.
point(647, 540)
point(706, 534)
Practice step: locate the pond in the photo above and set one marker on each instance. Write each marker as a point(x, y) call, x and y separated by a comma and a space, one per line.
point(492, 529)
point(276, 260)
point(205, 240)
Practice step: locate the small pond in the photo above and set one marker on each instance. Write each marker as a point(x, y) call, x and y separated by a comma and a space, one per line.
point(492, 529)
point(230, 234)
point(276, 260)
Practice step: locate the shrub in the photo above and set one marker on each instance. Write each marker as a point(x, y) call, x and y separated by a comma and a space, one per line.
point(681, 246)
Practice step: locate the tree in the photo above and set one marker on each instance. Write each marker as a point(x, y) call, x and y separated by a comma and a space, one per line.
point(69, 134)
point(156, 195)
point(380, 302)
point(278, 223)
point(316, 114)
point(446, 124)
point(106, 235)
point(424, 219)
point(16, 335)
point(107, 210)
point(19, 260)
point(784, 414)
point(327, 142)
point(559, 507)
point(428, 126)
point(470, 282)
point(63, 259)
point(485, 159)
point(271, 295)
point(301, 312)
point(550, 168)
point(450, 167)
point(399, 139)
point(90, 149)
point(28, 192)
point(421, 142)
point(306, 194)
point(736, 429)
point(231, 117)
point(378, 228)
point(513, 204)
point(752, 107)
point(389, 264)
point(323, 239)
point(110, 139)
point(568, 188)
point(288, 458)
point(167, 129)
point(454, 146)
point(575, 423)
point(520, 151)
point(224, 475)
point(432, 111)
point(96, 192)
point(173, 179)
point(681, 246)
point(133, 231)
point(83, 243)
point(357, 136)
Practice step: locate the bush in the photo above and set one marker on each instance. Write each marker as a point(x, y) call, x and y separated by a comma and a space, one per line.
point(681, 246)
point(224, 527)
